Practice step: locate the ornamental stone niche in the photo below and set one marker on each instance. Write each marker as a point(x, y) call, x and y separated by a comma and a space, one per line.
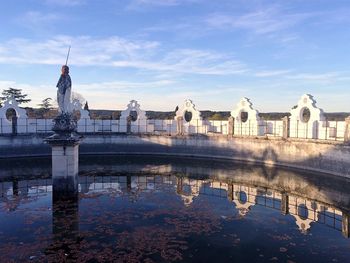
point(246, 119)
point(306, 120)
point(84, 120)
point(133, 119)
point(188, 119)
point(17, 122)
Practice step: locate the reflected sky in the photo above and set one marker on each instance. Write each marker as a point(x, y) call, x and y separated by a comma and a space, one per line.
point(178, 210)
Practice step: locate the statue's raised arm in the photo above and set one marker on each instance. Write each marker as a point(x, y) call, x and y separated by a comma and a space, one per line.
point(64, 90)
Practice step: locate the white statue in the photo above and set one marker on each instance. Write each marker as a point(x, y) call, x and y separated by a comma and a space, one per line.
point(64, 90)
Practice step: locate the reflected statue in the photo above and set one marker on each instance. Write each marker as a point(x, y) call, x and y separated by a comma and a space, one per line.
point(65, 230)
point(64, 87)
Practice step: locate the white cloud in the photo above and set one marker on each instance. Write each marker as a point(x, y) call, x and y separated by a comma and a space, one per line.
point(136, 4)
point(118, 52)
point(65, 2)
point(271, 73)
point(36, 20)
point(320, 78)
point(264, 21)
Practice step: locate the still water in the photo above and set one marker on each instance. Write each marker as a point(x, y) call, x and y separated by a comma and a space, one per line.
point(132, 209)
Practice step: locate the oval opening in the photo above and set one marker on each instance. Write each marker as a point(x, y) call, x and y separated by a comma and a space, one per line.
point(188, 116)
point(242, 197)
point(133, 115)
point(244, 116)
point(303, 211)
point(305, 115)
point(10, 114)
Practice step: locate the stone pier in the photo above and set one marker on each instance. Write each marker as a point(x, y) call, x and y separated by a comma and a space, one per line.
point(65, 166)
point(65, 157)
point(346, 224)
point(285, 204)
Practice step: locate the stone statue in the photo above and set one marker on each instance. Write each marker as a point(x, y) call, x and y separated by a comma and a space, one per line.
point(64, 89)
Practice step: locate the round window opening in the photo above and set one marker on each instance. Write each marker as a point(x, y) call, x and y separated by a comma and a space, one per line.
point(188, 116)
point(244, 116)
point(303, 211)
point(133, 115)
point(10, 114)
point(305, 115)
point(242, 197)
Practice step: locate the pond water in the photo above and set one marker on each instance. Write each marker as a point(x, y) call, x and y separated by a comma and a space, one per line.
point(133, 208)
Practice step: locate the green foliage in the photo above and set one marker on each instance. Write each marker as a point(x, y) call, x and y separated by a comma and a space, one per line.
point(86, 106)
point(16, 93)
point(46, 104)
point(45, 107)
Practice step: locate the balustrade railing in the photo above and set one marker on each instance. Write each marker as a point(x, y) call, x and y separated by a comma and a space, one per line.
point(318, 130)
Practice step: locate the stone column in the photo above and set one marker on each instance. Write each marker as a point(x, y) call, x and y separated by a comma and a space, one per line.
point(230, 196)
point(347, 129)
point(285, 204)
point(65, 228)
point(179, 125)
point(346, 224)
point(231, 125)
point(285, 127)
point(65, 157)
point(65, 167)
point(179, 185)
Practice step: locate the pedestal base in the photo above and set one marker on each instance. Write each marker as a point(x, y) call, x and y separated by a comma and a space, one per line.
point(65, 168)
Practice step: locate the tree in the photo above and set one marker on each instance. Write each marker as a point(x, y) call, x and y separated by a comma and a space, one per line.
point(16, 93)
point(77, 96)
point(45, 104)
point(86, 107)
point(45, 107)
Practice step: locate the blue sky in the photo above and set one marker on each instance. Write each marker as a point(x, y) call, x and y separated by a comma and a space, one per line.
point(161, 52)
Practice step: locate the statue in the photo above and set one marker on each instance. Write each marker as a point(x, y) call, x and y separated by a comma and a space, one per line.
point(64, 87)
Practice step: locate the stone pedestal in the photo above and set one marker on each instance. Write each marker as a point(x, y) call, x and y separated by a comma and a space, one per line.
point(179, 125)
point(285, 127)
point(346, 225)
point(65, 166)
point(347, 129)
point(231, 125)
point(65, 157)
point(285, 204)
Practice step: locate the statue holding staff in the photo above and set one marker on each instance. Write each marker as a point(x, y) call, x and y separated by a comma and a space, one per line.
point(64, 89)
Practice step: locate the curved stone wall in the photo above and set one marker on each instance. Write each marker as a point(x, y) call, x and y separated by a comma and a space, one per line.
point(326, 157)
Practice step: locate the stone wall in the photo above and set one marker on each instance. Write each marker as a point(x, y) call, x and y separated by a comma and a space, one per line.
point(327, 157)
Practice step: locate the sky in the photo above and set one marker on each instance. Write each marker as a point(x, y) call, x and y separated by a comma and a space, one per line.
point(161, 52)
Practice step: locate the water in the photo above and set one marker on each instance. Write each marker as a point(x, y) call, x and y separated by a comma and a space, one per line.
point(132, 209)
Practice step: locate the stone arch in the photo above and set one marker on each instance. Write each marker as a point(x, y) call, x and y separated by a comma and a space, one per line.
point(129, 125)
point(303, 222)
point(133, 106)
point(247, 120)
point(244, 206)
point(9, 104)
point(195, 124)
point(188, 106)
point(303, 127)
point(77, 106)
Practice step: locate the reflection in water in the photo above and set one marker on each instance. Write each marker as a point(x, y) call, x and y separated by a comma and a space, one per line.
point(175, 212)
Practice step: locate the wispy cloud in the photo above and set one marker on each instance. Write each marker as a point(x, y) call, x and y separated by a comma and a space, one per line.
point(271, 73)
point(263, 21)
point(65, 2)
point(320, 78)
point(118, 52)
point(38, 20)
point(136, 4)
point(85, 50)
